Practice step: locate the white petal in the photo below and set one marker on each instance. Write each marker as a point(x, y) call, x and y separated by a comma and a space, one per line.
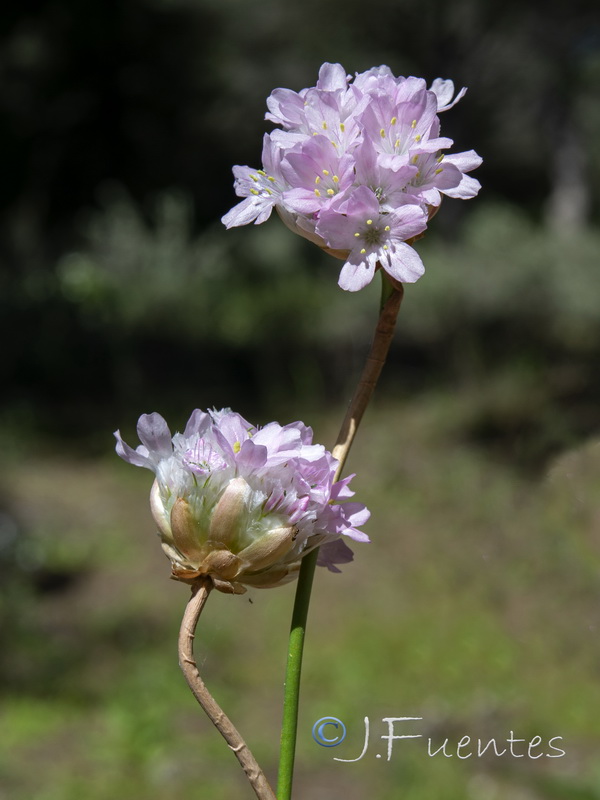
point(357, 274)
point(466, 189)
point(403, 263)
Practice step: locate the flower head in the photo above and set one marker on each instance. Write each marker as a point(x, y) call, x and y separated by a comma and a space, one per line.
point(341, 137)
point(242, 504)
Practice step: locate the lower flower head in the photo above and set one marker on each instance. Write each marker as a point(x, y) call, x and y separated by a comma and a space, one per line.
point(242, 504)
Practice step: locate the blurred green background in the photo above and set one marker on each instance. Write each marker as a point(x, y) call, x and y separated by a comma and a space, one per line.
point(476, 607)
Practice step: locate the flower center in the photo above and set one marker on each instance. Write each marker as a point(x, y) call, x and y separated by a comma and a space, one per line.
point(202, 458)
point(264, 184)
point(326, 183)
point(372, 236)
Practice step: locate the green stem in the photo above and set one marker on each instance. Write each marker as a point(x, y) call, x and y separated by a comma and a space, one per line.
point(391, 298)
point(289, 727)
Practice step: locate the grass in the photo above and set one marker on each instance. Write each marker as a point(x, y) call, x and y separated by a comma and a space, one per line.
point(475, 608)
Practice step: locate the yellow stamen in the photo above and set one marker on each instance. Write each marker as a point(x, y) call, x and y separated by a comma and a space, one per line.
point(271, 178)
point(369, 222)
point(397, 143)
point(254, 177)
point(385, 247)
point(418, 137)
point(261, 172)
point(437, 172)
point(382, 133)
point(253, 191)
point(325, 172)
point(363, 250)
point(414, 159)
point(335, 179)
point(324, 126)
point(318, 193)
point(330, 192)
point(387, 228)
point(342, 127)
point(413, 124)
point(394, 120)
point(440, 159)
point(237, 446)
point(318, 179)
point(357, 234)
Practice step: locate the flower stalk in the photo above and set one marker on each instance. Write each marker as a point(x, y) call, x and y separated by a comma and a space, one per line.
point(200, 591)
point(391, 299)
point(357, 166)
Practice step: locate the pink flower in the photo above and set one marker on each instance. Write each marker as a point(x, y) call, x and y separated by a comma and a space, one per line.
point(376, 132)
point(262, 189)
point(373, 236)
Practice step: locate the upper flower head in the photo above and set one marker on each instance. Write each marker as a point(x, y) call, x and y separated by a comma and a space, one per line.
point(243, 504)
point(336, 139)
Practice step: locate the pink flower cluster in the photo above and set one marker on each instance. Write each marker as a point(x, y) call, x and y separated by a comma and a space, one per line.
point(244, 504)
point(357, 167)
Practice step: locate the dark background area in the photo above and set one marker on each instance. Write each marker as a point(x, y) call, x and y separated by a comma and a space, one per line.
point(119, 124)
point(476, 605)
